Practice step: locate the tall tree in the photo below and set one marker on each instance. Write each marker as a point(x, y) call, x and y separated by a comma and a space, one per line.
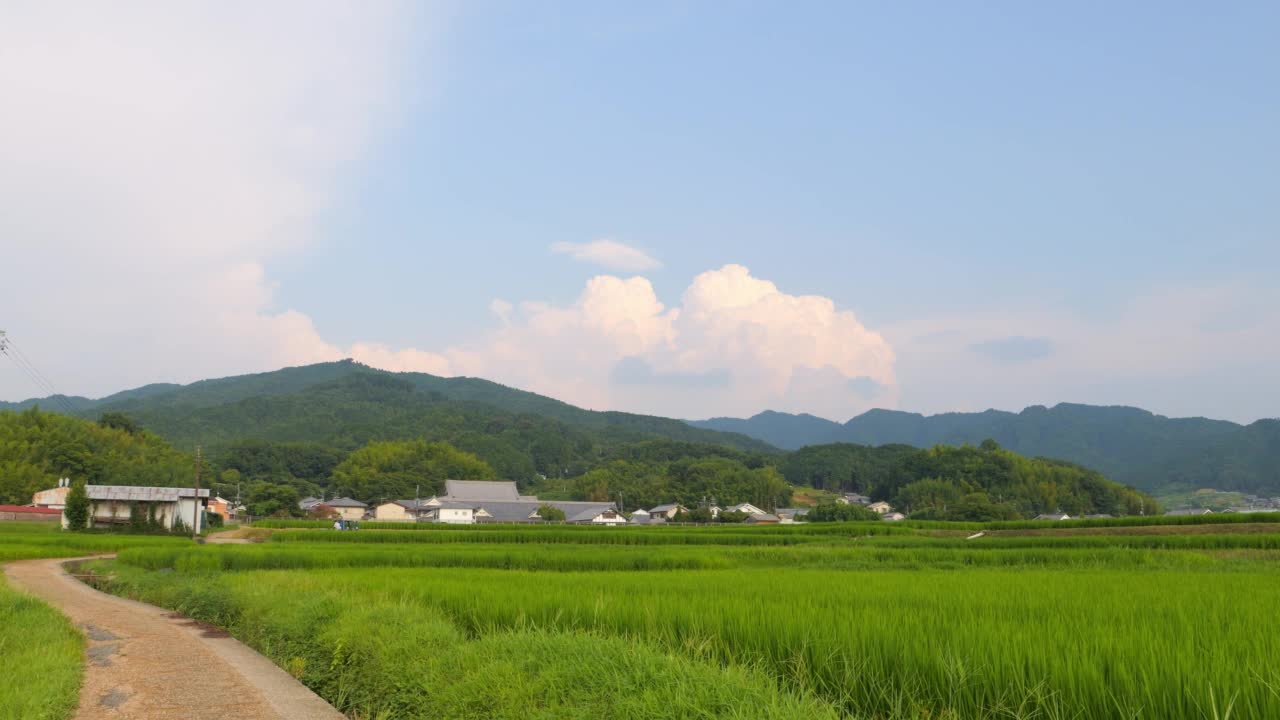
point(77, 510)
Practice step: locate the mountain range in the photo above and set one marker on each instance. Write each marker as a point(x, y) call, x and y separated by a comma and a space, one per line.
point(1129, 445)
point(345, 404)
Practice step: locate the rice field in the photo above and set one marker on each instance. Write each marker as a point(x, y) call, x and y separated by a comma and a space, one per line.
point(797, 621)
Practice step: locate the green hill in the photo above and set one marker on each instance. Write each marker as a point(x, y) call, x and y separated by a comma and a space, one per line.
point(344, 405)
point(1130, 445)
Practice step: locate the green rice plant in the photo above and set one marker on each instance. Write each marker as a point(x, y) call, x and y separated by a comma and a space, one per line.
point(41, 653)
point(382, 657)
point(1028, 642)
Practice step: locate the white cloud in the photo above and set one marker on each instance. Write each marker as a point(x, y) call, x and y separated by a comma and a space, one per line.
point(735, 345)
point(609, 254)
point(155, 156)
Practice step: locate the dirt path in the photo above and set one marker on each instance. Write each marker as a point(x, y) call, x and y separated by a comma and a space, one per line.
point(144, 663)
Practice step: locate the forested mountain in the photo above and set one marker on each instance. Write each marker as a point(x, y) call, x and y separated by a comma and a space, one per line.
point(343, 405)
point(1129, 445)
point(342, 428)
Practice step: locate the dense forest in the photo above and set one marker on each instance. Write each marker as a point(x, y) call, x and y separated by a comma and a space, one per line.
point(1130, 445)
point(38, 448)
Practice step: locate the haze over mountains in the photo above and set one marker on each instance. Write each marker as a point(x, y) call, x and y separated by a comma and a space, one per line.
point(346, 404)
point(1127, 444)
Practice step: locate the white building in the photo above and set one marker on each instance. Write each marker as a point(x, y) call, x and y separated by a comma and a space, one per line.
point(452, 512)
point(55, 498)
point(115, 504)
point(881, 507)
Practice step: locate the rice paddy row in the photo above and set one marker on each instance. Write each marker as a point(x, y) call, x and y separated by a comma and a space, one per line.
point(1096, 641)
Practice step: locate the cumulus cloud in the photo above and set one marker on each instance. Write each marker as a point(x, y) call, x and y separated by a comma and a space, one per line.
point(609, 254)
point(735, 344)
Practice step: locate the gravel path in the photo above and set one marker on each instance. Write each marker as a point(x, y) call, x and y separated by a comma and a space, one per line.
point(145, 663)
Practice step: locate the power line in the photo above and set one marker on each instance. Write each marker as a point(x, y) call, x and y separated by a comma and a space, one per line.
point(10, 350)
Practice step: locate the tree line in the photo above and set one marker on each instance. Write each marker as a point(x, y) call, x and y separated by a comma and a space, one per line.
point(271, 476)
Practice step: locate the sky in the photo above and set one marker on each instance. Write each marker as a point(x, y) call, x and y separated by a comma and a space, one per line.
point(686, 209)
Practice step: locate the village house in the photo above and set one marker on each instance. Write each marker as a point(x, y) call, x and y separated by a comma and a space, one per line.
point(482, 501)
point(762, 518)
point(666, 512)
point(345, 508)
point(1052, 516)
point(452, 512)
point(225, 508)
point(402, 510)
point(589, 513)
point(881, 507)
point(893, 517)
point(115, 504)
point(854, 499)
point(791, 515)
point(747, 508)
point(1189, 511)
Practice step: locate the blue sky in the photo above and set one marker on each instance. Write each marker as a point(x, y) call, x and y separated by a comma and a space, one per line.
point(1018, 203)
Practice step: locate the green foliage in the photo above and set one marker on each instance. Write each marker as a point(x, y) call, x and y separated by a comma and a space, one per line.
point(38, 448)
point(551, 513)
point(266, 499)
point(388, 470)
point(119, 421)
point(42, 653)
point(78, 507)
point(964, 483)
point(838, 512)
point(843, 467)
point(688, 480)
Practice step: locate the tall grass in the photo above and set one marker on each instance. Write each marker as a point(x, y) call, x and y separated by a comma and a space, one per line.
point(1088, 643)
point(377, 656)
point(40, 652)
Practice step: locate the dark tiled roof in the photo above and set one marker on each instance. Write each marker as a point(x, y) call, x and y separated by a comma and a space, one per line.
point(481, 490)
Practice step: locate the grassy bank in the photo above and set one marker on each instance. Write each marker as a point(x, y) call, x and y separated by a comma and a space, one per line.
point(41, 654)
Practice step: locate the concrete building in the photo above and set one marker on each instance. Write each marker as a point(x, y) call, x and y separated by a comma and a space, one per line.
point(55, 498)
point(115, 504)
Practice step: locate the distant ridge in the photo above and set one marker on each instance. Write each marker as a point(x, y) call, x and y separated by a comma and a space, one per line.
point(1131, 445)
point(325, 400)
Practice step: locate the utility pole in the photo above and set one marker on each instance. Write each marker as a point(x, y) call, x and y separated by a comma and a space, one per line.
point(195, 514)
